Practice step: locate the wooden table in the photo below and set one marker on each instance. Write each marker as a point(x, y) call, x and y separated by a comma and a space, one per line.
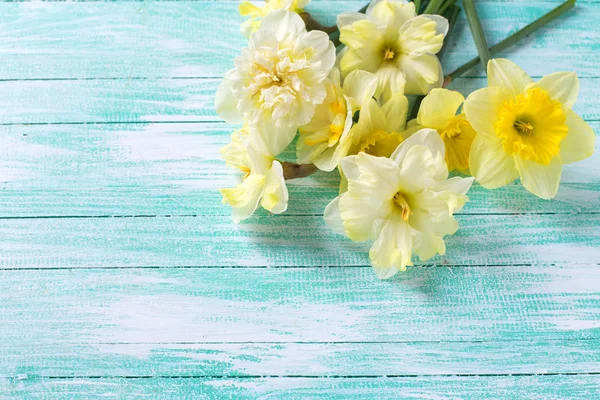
point(122, 275)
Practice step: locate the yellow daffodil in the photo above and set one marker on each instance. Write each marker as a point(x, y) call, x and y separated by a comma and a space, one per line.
point(404, 203)
point(378, 131)
point(526, 129)
point(438, 111)
point(263, 180)
point(326, 139)
point(396, 45)
point(279, 79)
point(257, 13)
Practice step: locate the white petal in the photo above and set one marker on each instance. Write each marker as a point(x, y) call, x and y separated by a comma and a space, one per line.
point(541, 180)
point(348, 18)
point(438, 107)
point(561, 86)
point(333, 218)
point(395, 111)
point(393, 247)
point(226, 103)
point(244, 197)
point(507, 75)
point(275, 196)
point(271, 139)
point(442, 26)
point(422, 73)
point(425, 137)
point(580, 140)
point(489, 164)
point(284, 24)
point(420, 35)
point(350, 168)
point(319, 42)
point(360, 85)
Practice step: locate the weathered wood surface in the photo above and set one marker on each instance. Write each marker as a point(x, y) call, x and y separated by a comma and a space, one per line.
point(121, 273)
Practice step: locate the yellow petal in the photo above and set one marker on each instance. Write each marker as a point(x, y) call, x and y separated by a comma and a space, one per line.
point(360, 85)
point(360, 34)
point(508, 75)
point(248, 9)
point(364, 59)
point(489, 164)
point(395, 111)
point(422, 73)
point(579, 142)
point(438, 107)
point(424, 137)
point(419, 35)
point(371, 119)
point(391, 81)
point(561, 86)
point(392, 251)
point(244, 197)
point(283, 24)
point(482, 108)
point(541, 180)
point(348, 18)
point(392, 14)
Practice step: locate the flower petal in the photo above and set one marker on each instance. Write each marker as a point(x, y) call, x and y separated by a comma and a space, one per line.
point(360, 85)
point(580, 140)
point(395, 111)
point(508, 75)
point(392, 14)
point(482, 108)
point(419, 35)
point(422, 73)
point(425, 137)
point(360, 34)
point(244, 197)
point(541, 180)
point(561, 86)
point(284, 24)
point(226, 103)
point(275, 197)
point(441, 23)
point(391, 81)
point(392, 251)
point(271, 139)
point(348, 18)
point(371, 119)
point(319, 43)
point(438, 107)
point(332, 216)
point(489, 164)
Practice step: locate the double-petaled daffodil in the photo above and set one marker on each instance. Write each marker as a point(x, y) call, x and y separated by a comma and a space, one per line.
point(257, 13)
point(404, 203)
point(396, 45)
point(438, 111)
point(263, 180)
point(326, 139)
point(526, 129)
point(279, 79)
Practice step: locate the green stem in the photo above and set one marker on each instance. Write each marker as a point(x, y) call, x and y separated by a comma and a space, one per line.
point(433, 7)
point(512, 39)
point(452, 16)
point(417, 5)
point(446, 6)
point(477, 32)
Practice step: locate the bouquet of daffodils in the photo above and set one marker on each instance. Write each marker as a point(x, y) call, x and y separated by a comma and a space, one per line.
point(339, 94)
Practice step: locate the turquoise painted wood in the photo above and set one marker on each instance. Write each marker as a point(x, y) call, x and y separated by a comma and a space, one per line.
point(122, 275)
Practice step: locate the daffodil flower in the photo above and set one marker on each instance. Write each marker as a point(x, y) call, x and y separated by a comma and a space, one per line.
point(526, 129)
point(438, 111)
point(278, 80)
point(263, 180)
point(396, 45)
point(257, 13)
point(326, 139)
point(378, 131)
point(404, 203)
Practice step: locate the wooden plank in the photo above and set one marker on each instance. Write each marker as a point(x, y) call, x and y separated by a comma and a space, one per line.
point(161, 100)
point(176, 169)
point(69, 307)
point(454, 387)
point(199, 39)
point(301, 359)
point(280, 241)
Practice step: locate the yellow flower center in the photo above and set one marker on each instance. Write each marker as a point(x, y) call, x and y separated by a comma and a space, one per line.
point(380, 143)
point(246, 171)
point(531, 126)
point(402, 204)
point(389, 54)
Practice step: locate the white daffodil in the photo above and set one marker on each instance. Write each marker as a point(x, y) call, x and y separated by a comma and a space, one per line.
point(526, 129)
point(396, 45)
point(257, 13)
point(279, 79)
point(263, 180)
point(404, 203)
point(325, 140)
